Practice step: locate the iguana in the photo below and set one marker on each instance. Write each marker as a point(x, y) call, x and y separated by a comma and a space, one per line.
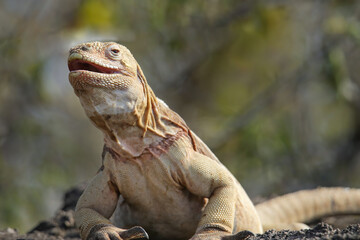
point(157, 175)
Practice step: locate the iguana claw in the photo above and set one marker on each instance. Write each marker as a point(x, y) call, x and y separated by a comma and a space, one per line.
point(135, 233)
point(109, 232)
point(219, 235)
point(243, 235)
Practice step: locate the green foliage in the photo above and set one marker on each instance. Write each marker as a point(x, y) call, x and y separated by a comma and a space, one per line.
point(97, 14)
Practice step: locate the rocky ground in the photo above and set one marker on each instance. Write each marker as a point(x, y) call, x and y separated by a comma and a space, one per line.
point(62, 227)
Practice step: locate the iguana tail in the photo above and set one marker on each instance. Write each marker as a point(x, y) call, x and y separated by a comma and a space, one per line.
point(306, 205)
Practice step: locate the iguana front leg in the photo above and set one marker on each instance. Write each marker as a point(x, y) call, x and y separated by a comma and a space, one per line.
point(207, 178)
point(95, 207)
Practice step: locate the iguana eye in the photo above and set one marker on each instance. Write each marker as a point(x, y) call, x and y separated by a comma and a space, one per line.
point(113, 52)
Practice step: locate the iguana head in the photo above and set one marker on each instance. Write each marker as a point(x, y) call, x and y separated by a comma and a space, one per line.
point(110, 84)
point(103, 65)
point(103, 73)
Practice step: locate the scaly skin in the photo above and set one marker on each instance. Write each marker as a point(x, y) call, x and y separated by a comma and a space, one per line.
point(303, 206)
point(156, 172)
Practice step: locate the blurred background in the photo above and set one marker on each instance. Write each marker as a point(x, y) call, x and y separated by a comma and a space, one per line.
point(271, 86)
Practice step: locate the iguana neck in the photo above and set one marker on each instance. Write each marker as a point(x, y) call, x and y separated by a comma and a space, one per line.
point(130, 132)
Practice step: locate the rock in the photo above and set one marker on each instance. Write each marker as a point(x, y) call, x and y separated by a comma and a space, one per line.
point(320, 231)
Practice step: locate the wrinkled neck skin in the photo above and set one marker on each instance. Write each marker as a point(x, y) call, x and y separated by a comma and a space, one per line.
point(116, 113)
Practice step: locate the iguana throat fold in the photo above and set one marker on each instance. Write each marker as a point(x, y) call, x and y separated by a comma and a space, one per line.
point(150, 119)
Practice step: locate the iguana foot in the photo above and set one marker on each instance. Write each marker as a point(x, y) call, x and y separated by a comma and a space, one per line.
point(110, 232)
point(221, 235)
point(135, 233)
point(243, 235)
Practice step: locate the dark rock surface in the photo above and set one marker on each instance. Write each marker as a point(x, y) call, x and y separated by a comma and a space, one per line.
point(62, 227)
point(320, 231)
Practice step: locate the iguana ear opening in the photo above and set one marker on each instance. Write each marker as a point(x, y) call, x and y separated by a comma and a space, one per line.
point(150, 119)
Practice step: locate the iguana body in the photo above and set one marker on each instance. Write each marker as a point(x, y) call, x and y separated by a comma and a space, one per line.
point(156, 172)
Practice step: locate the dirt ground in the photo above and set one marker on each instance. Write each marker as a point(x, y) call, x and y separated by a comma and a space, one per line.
point(62, 227)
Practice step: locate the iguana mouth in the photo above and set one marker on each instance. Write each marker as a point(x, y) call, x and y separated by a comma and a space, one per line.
point(82, 65)
point(87, 71)
point(78, 63)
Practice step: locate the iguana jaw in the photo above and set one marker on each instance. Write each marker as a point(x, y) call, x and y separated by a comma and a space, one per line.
point(88, 72)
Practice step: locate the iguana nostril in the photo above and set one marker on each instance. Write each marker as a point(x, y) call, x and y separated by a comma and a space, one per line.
point(85, 48)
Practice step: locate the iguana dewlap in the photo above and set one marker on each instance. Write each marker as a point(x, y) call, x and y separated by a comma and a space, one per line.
point(156, 172)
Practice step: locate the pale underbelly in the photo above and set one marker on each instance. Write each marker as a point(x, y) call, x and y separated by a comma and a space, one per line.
point(174, 218)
